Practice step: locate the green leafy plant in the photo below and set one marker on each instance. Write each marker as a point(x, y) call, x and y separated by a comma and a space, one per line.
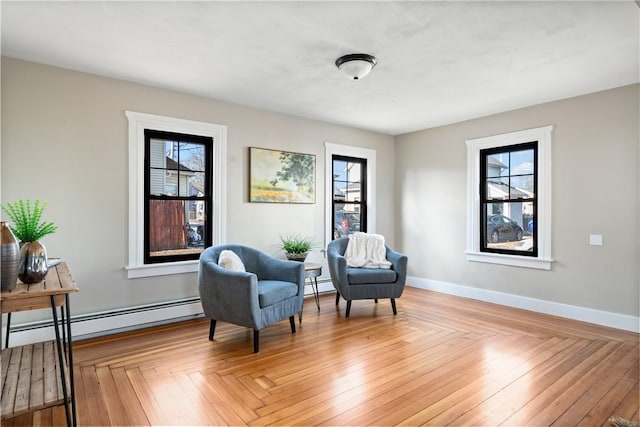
point(26, 218)
point(296, 244)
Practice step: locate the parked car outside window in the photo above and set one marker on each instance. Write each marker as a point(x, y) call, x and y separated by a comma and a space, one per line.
point(501, 228)
point(345, 223)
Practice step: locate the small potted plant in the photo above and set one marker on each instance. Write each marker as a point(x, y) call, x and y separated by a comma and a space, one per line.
point(29, 228)
point(297, 247)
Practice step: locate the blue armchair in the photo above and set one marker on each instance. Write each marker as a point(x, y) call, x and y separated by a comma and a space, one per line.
point(269, 291)
point(355, 283)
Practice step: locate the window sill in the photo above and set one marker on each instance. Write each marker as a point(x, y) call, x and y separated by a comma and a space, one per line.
point(512, 260)
point(149, 270)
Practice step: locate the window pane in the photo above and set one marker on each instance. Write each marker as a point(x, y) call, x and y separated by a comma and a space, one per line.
point(509, 226)
point(498, 165)
point(353, 192)
point(340, 170)
point(353, 172)
point(339, 190)
point(156, 177)
point(159, 150)
point(522, 162)
point(522, 187)
point(340, 223)
point(163, 182)
point(346, 219)
point(174, 229)
point(171, 183)
point(353, 216)
point(196, 184)
point(498, 189)
point(191, 157)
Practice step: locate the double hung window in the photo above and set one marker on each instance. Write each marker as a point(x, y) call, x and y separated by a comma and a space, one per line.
point(509, 199)
point(177, 196)
point(350, 190)
point(349, 201)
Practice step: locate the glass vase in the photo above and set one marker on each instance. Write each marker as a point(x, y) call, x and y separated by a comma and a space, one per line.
point(33, 262)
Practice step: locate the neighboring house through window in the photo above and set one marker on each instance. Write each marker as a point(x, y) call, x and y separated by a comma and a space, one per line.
point(176, 193)
point(509, 199)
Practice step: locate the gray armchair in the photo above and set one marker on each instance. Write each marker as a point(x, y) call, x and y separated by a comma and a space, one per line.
point(366, 283)
point(269, 291)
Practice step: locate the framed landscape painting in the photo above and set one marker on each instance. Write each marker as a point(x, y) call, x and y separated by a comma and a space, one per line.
point(281, 176)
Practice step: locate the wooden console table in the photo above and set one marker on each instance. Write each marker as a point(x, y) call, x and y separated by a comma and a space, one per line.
point(39, 376)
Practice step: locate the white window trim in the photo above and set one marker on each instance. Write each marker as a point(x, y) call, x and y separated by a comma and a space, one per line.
point(350, 151)
point(138, 122)
point(543, 221)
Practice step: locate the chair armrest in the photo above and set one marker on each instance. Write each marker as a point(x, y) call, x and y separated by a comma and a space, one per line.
point(398, 263)
point(337, 267)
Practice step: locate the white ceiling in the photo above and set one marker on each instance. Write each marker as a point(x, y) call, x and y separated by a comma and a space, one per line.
point(438, 62)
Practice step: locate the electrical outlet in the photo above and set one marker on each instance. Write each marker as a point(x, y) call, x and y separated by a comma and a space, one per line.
point(595, 239)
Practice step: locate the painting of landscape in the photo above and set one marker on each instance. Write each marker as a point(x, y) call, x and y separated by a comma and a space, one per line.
point(281, 176)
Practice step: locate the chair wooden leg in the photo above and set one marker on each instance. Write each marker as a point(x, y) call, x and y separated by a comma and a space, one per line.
point(292, 320)
point(376, 300)
point(348, 307)
point(337, 297)
point(393, 306)
point(256, 340)
point(212, 329)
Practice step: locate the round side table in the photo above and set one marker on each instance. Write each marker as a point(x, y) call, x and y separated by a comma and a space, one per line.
point(311, 272)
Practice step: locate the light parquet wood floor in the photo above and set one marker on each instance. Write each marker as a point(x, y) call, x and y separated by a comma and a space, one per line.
point(442, 360)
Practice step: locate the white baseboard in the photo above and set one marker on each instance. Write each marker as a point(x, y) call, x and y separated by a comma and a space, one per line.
point(103, 323)
point(96, 324)
point(598, 317)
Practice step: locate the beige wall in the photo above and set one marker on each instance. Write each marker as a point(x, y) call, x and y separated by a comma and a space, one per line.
point(64, 140)
point(595, 156)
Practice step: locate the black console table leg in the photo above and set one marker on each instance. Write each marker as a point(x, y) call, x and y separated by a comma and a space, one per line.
point(70, 356)
point(60, 360)
point(6, 345)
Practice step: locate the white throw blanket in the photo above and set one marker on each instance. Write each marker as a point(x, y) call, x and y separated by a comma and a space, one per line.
point(366, 251)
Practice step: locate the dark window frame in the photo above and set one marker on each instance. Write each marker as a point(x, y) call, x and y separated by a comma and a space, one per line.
point(484, 201)
point(363, 191)
point(207, 198)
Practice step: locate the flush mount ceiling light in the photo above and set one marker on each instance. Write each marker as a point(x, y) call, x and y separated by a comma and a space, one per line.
point(356, 65)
